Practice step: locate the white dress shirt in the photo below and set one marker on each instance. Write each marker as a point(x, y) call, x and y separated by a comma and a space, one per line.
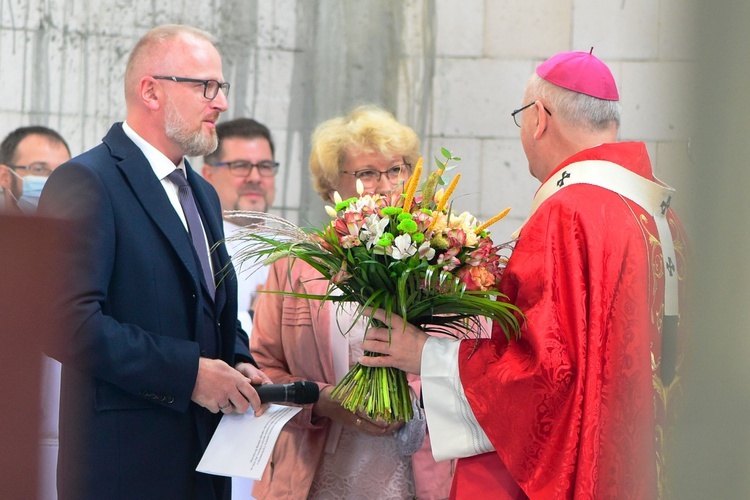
point(162, 167)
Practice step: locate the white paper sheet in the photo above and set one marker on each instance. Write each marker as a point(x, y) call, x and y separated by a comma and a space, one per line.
point(242, 444)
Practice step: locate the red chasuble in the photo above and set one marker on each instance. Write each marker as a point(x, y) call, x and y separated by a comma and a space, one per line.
point(576, 408)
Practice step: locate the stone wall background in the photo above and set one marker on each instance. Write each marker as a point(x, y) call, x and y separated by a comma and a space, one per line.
point(451, 70)
point(454, 70)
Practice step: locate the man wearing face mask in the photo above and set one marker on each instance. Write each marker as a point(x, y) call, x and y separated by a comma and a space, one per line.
point(27, 156)
point(10, 191)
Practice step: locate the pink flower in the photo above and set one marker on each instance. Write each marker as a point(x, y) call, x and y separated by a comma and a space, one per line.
point(483, 253)
point(422, 219)
point(448, 259)
point(341, 276)
point(347, 233)
point(457, 238)
point(350, 241)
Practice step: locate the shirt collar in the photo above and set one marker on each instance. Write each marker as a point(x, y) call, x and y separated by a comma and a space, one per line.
point(161, 165)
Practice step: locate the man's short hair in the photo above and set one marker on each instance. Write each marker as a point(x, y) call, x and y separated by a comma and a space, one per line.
point(10, 144)
point(153, 44)
point(578, 109)
point(242, 128)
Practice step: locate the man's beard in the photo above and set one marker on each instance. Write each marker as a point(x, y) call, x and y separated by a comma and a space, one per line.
point(246, 221)
point(253, 188)
point(192, 143)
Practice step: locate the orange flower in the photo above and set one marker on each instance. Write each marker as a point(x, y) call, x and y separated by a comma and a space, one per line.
point(492, 221)
point(477, 278)
point(411, 186)
point(444, 200)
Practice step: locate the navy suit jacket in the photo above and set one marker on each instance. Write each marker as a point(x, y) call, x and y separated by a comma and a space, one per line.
point(134, 312)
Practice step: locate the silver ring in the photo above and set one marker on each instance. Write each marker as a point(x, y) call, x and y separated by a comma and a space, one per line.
point(222, 408)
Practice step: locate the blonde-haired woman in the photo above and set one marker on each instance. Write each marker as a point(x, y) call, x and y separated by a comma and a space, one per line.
point(327, 451)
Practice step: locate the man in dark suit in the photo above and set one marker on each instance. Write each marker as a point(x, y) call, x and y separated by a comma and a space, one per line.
point(152, 351)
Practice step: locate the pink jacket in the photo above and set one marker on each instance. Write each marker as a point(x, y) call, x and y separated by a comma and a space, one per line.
point(290, 341)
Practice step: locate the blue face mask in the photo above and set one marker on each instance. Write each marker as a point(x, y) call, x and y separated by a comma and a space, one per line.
point(32, 189)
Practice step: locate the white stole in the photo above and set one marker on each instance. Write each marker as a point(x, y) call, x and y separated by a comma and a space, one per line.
point(653, 197)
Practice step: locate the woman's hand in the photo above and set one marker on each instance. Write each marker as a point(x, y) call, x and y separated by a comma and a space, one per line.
point(329, 407)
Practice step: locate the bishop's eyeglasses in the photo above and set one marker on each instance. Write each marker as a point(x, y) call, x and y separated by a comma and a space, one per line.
point(516, 112)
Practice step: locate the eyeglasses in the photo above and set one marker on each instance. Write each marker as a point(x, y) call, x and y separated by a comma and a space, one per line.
point(371, 177)
point(516, 111)
point(36, 168)
point(242, 168)
point(210, 87)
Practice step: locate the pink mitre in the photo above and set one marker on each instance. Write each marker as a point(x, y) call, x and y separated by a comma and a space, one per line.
point(580, 72)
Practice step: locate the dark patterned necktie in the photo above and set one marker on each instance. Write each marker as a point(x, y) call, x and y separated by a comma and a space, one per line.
point(195, 228)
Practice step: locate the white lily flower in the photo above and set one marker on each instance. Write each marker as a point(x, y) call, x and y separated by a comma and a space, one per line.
point(373, 229)
point(425, 251)
point(403, 247)
point(362, 203)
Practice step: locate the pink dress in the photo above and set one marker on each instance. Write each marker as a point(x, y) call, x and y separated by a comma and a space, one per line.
point(362, 466)
point(292, 340)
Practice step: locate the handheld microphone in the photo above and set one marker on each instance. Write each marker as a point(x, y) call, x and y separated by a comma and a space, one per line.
point(301, 392)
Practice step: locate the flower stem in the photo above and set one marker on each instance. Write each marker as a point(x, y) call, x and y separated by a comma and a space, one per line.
point(379, 392)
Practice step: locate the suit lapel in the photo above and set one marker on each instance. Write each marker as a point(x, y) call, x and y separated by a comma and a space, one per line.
point(226, 283)
point(150, 194)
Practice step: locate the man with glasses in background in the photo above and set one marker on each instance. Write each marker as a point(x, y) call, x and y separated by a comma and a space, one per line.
point(243, 172)
point(151, 348)
point(27, 156)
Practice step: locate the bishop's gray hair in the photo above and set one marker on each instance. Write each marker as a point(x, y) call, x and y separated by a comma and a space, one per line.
point(578, 109)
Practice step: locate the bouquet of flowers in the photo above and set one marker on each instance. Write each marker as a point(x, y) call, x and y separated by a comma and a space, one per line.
point(409, 255)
